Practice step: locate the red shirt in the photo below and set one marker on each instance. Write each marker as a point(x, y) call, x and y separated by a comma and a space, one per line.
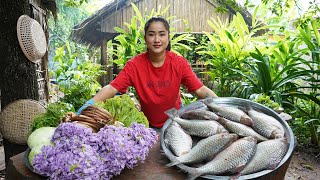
point(158, 88)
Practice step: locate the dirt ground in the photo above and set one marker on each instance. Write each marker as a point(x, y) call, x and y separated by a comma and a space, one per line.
point(305, 164)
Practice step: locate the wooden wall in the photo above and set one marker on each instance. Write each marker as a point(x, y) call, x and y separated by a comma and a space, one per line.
point(195, 12)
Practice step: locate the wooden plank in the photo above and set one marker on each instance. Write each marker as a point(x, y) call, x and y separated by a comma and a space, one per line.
point(196, 12)
point(104, 62)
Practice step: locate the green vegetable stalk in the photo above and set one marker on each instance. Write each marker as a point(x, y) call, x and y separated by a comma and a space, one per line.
point(51, 118)
point(123, 109)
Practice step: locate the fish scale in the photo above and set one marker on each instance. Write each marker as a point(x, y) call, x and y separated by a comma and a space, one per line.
point(268, 155)
point(201, 128)
point(230, 160)
point(177, 139)
point(231, 113)
point(199, 114)
point(240, 129)
point(205, 149)
point(265, 125)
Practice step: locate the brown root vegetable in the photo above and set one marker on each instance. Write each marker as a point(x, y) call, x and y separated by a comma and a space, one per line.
point(88, 125)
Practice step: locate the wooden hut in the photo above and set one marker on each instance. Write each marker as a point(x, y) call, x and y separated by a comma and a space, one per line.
point(98, 29)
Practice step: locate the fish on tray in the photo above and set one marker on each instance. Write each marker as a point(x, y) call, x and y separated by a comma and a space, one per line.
point(265, 125)
point(199, 114)
point(177, 139)
point(240, 129)
point(231, 160)
point(268, 155)
point(231, 113)
point(200, 128)
point(205, 149)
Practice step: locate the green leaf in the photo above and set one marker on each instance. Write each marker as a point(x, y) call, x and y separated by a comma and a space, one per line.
point(136, 10)
point(311, 120)
point(230, 36)
point(254, 15)
point(119, 30)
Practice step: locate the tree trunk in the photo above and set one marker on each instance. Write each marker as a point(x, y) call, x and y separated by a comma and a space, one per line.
point(17, 74)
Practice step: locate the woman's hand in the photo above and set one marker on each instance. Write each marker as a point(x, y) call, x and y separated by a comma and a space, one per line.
point(106, 92)
point(204, 92)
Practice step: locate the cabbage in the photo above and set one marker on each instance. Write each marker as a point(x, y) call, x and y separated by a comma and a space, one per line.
point(36, 150)
point(40, 136)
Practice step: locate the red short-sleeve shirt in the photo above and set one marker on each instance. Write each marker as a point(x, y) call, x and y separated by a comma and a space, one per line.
point(158, 88)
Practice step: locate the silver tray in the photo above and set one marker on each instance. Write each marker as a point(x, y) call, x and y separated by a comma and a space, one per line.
point(237, 102)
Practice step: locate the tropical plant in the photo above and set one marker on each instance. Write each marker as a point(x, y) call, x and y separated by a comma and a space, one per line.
point(76, 75)
point(306, 98)
point(227, 49)
point(306, 122)
point(130, 43)
point(264, 79)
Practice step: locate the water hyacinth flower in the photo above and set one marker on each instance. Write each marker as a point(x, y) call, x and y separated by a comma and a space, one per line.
point(80, 154)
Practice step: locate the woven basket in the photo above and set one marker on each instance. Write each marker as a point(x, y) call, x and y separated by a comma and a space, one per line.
point(31, 38)
point(16, 118)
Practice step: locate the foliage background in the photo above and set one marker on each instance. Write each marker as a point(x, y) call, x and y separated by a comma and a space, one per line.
point(278, 68)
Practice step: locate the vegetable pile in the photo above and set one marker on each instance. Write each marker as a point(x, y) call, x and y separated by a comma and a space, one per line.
point(94, 117)
point(51, 118)
point(123, 110)
point(78, 153)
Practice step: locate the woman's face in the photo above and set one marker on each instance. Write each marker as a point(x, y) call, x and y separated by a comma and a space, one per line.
point(157, 37)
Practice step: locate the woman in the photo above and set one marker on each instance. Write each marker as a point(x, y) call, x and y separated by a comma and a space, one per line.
point(156, 76)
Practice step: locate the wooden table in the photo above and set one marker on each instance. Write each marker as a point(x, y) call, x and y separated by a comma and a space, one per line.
point(153, 168)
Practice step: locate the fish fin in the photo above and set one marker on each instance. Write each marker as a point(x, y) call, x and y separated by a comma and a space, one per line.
point(274, 163)
point(247, 107)
point(166, 142)
point(173, 163)
point(173, 112)
point(239, 168)
point(244, 109)
point(193, 173)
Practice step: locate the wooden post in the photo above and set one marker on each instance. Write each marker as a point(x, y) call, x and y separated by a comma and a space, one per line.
point(104, 61)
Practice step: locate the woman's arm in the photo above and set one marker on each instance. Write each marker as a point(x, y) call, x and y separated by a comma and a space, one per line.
point(204, 92)
point(105, 93)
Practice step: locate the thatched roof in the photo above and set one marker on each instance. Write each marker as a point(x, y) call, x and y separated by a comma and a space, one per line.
point(89, 31)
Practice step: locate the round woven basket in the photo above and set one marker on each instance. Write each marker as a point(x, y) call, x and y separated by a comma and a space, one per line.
point(16, 118)
point(31, 38)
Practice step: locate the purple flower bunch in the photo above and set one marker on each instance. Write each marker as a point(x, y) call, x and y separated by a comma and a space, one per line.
point(80, 154)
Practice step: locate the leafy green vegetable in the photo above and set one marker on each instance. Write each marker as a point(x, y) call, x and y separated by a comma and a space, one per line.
point(51, 118)
point(122, 109)
point(266, 100)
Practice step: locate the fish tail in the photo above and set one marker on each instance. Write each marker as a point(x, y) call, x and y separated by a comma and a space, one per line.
point(173, 163)
point(173, 112)
point(193, 173)
point(208, 101)
point(193, 176)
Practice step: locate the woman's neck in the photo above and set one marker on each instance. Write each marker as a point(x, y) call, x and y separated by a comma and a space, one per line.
point(157, 60)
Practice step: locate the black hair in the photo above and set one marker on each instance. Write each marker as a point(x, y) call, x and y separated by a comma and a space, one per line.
point(165, 23)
